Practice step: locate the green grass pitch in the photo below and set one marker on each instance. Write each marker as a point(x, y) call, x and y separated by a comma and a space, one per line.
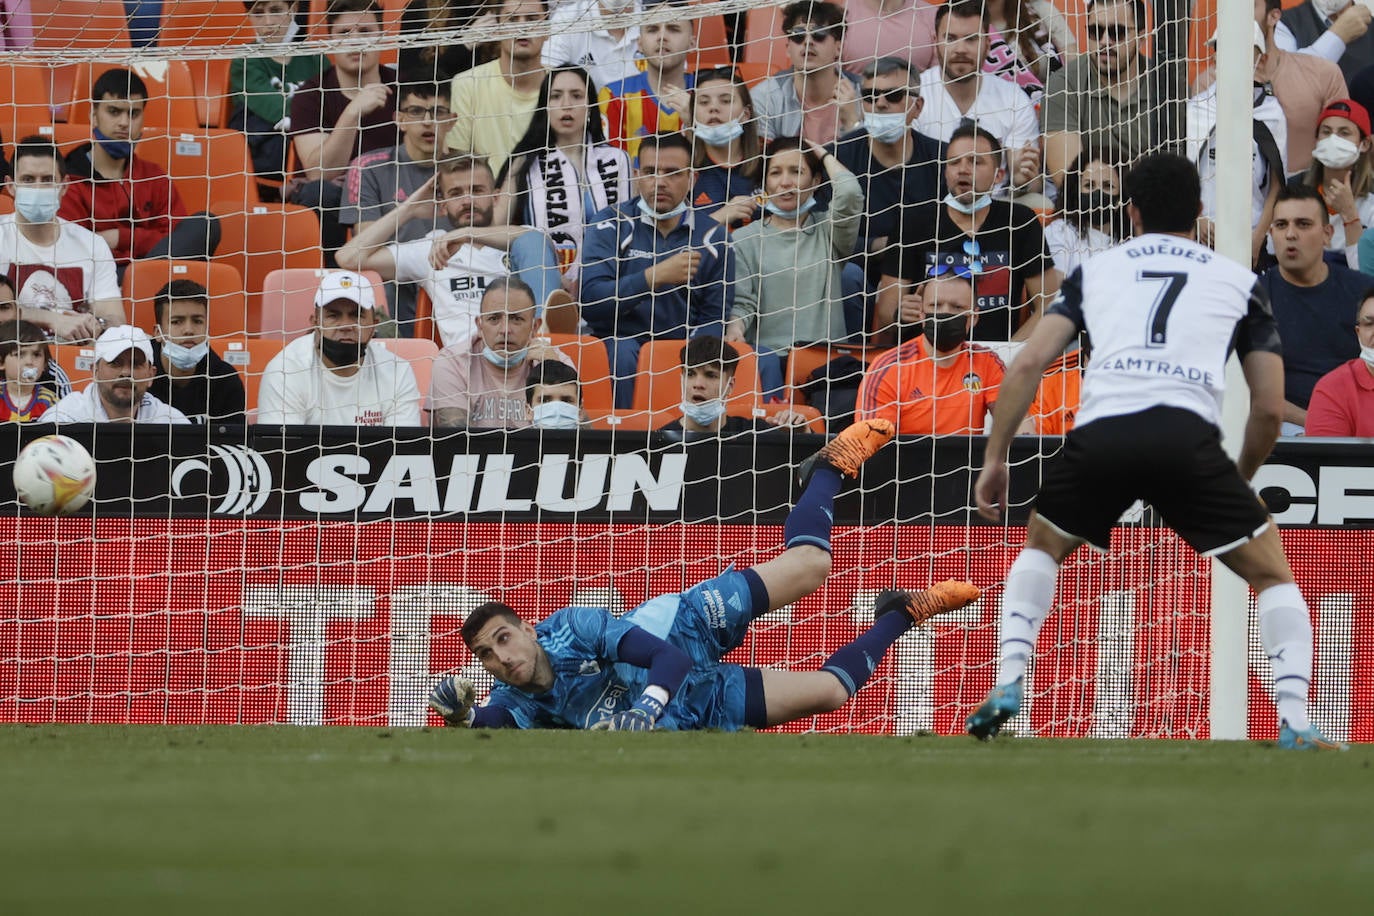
point(113, 820)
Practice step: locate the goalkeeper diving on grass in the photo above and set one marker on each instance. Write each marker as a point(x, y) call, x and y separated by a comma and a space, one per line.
point(659, 666)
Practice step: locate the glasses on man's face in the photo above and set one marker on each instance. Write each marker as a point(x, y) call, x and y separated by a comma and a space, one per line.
point(799, 35)
point(1116, 33)
point(425, 113)
point(894, 96)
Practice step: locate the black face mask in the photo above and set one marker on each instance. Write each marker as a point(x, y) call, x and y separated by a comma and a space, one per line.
point(946, 332)
point(342, 354)
point(1104, 211)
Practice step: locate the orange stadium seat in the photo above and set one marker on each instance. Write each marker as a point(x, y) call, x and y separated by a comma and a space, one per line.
point(593, 365)
point(658, 387)
point(250, 356)
point(265, 238)
point(211, 168)
point(228, 304)
point(77, 360)
point(425, 328)
point(421, 355)
point(288, 301)
point(815, 423)
point(764, 42)
point(802, 361)
point(79, 24)
point(171, 93)
point(713, 43)
point(66, 136)
point(204, 23)
point(28, 87)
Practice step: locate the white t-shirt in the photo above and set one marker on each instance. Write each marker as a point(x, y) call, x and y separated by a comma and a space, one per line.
point(1001, 108)
point(85, 407)
point(297, 388)
point(597, 52)
point(1070, 248)
point(456, 291)
point(64, 276)
point(1161, 311)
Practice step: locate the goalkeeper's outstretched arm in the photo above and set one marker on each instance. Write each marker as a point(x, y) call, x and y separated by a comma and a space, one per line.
point(668, 667)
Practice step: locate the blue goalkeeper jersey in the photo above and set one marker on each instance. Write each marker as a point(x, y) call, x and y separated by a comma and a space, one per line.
point(591, 683)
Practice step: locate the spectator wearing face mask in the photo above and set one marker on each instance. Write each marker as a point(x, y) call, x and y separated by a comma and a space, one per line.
point(191, 376)
point(1090, 216)
point(1343, 173)
point(483, 385)
point(554, 396)
point(708, 379)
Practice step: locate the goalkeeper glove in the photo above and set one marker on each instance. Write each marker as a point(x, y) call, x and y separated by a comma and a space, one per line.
point(638, 718)
point(453, 699)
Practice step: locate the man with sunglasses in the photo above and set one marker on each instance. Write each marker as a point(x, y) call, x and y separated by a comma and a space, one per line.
point(1112, 95)
point(813, 98)
point(380, 180)
point(897, 165)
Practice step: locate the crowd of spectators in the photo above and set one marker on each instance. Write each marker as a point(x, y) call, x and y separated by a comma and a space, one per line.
point(912, 187)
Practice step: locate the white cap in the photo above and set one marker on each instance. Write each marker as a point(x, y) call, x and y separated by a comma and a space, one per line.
point(1258, 39)
point(344, 284)
point(113, 343)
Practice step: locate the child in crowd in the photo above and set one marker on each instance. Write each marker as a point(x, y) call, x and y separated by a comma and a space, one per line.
point(24, 361)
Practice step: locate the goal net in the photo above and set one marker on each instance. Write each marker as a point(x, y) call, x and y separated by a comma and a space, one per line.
point(306, 550)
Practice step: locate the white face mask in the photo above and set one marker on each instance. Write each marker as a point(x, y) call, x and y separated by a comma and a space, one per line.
point(805, 208)
point(704, 413)
point(185, 357)
point(36, 204)
point(555, 415)
point(718, 134)
point(1367, 354)
point(616, 6)
point(1329, 8)
point(1336, 152)
point(979, 202)
point(504, 360)
point(655, 215)
point(885, 128)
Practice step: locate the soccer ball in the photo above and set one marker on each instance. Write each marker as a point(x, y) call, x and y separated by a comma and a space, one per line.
point(54, 475)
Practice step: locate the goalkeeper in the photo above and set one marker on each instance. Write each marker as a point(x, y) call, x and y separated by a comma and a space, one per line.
point(659, 666)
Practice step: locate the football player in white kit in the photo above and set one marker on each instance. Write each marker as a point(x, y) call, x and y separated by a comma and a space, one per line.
point(1163, 314)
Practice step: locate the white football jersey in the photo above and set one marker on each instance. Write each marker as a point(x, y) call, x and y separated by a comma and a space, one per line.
point(1162, 314)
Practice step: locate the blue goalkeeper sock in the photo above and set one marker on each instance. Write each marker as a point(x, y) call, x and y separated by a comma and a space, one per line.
point(811, 518)
point(855, 663)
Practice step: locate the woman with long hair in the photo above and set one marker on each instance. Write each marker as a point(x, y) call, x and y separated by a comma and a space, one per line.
point(1091, 216)
point(725, 147)
point(562, 171)
point(1030, 39)
point(789, 264)
point(1343, 172)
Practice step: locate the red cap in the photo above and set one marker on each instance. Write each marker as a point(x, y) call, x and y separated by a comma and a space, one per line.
point(1349, 109)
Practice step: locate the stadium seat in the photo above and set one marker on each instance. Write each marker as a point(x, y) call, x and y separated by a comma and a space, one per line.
point(764, 42)
point(79, 24)
point(250, 356)
point(424, 327)
point(593, 369)
point(421, 355)
point(658, 385)
point(228, 304)
point(204, 23)
point(288, 302)
point(623, 421)
point(211, 168)
point(713, 43)
point(171, 104)
point(265, 238)
point(29, 90)
point(77, 360)
point(815, 423)
point(802, 361)
point(66, 136)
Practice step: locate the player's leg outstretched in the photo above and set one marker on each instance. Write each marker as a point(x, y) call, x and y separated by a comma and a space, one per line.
point(790, 695)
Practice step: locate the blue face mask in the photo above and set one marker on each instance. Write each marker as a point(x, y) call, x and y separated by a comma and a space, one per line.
point(37, 204)
point(504, 360)
point(979, 202)
point(653, 214)
point(801, 211)
point(704, 413)
point(185, 357)
point(115, 149)
point(718, 134)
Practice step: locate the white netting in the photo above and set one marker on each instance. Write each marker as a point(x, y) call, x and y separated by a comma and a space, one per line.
point(320, 575)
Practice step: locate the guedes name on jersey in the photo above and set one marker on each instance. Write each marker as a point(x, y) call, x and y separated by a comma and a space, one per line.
point(1178, 251)
point(1157, 367)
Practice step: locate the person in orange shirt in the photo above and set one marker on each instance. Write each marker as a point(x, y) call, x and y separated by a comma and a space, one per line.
point(1056, 401)
point(938, 384)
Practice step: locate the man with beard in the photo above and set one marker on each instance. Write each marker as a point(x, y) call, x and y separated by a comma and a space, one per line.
point(997, 244)
point(1112, 95)
point(455, 266)
point(123, 371)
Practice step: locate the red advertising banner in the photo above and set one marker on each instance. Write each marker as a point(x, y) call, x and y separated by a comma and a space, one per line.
point(225, 621)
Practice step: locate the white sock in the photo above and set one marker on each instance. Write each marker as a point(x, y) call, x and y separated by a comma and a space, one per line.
point(1025, 605)
point(1286, 634)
